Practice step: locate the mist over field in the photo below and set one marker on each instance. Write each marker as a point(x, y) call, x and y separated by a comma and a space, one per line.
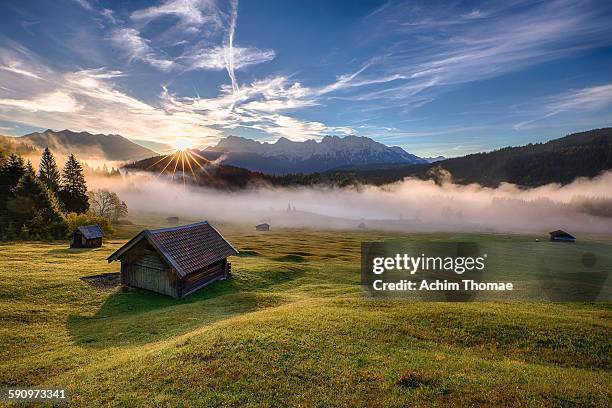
point(584, 205)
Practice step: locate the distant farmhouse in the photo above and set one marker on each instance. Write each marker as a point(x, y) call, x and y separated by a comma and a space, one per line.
point(172, 220)
point(175, 261)
point(561, 236)
point(88, 236)
point(263, 227)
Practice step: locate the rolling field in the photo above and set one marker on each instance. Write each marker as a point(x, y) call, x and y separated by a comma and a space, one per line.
point(290, 328)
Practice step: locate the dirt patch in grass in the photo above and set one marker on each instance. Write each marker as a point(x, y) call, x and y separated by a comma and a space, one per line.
point(105, 281)
point(290, 258)
point(411, 379)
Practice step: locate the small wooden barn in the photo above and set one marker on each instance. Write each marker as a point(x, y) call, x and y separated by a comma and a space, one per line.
point(263, 227)
point(561, 236)
point(172, 220)
point(175, 261)
point(87, 236)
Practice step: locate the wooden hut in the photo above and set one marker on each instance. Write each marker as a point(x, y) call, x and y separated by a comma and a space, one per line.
point(88, 236)
point(561, 236)
point(263, 227)
point(172, 220)
point(175, 261)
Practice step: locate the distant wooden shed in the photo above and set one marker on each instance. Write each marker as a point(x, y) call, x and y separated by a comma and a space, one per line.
point(87, 236)
point(263, 227)
point(561, 236)
point(172, 220)
point(175, 261)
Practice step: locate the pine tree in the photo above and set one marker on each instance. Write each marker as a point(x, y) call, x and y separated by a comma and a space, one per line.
point(49, 173)
point(11, 171)
point(10, 174)
point(35, 210)
point(30, 169)
point(73, 190)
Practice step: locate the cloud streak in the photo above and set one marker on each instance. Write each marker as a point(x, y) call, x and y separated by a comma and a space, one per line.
point(587, 99)
point(137, 48)
point(189, 13)
point(431, 48)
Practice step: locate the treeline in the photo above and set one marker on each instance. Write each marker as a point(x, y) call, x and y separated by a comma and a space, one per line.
point(47, 204)
point(202, 172)
point(584, 154)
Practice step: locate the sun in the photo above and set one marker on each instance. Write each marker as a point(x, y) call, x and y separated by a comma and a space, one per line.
point(183, 144)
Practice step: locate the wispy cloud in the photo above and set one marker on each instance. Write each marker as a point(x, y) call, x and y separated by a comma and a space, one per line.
point(579, 100)
point(196, 19)
point(189, 13)
point(138, 48)
point(15, 68)
point(50, 102)
point(431, 48)
point(216, 59)
point(85, 4)
point(229, 55)
point(90, 100)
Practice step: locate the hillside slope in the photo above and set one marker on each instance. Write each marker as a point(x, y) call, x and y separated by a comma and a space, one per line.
point(89, 146)
point(583, 154)
point(291, 328)
point(11, 144)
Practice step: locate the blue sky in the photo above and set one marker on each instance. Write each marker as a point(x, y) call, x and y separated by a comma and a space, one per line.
point(436, 78)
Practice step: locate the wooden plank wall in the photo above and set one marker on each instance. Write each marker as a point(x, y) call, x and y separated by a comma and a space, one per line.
point(204, 275)
point(142, 267)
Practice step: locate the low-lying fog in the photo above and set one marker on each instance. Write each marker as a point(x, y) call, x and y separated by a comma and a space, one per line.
point(410, 205)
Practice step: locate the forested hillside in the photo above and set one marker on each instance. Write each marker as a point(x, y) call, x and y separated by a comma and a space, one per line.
point(583, 154)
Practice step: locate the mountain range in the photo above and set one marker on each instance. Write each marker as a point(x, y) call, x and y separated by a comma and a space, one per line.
point(350, 160)
point(285, 156)
point(88, 146)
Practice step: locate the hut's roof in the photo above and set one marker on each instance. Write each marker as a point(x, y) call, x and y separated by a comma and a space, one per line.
point(187, 247)
point(561, 233)
point(91, 231)
point(265, 224)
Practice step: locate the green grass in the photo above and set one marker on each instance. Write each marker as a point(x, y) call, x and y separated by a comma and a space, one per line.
point(291, 328)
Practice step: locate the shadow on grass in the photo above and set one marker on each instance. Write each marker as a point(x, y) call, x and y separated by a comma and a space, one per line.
point(131, 317)
point(290, 258)
point(70, 250)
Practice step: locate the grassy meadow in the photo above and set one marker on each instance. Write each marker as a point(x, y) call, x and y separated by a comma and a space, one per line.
point(290, 328)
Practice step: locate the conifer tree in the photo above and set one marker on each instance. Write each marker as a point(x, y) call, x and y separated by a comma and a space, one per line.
point(73, 189)
point(35, 210)
point(30, 169)
point(49, 173)
point(11, 171)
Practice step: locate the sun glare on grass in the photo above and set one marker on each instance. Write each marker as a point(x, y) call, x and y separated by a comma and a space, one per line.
point(183, 144)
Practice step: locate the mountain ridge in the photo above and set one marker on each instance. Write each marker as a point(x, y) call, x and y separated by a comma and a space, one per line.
point(286, 156)
point(562, 160)
point(111, 147)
